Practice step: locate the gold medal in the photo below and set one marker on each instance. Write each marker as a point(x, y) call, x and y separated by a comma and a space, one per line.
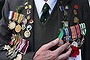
point(12, 25)
point(26, 7)
point(27, 33)
point(18, 28)
point(76, 20)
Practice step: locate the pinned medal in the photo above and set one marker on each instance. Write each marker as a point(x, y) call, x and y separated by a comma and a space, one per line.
point(29, 27)
point(74, 44)
point(12, 25)
point(28, 11)
point(75, 12)
point(20, 18)
point(76, 20)
point(26, 7)
point(76, 6)
point(27, 33)
point(31, 21)
point(23, 27)
point(66, 7)
point(25, 21)
point(30, 6)
point(28, 17)
point(18, 28)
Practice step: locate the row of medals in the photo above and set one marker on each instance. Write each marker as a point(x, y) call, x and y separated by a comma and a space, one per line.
point(74, 34)
point(19, 22)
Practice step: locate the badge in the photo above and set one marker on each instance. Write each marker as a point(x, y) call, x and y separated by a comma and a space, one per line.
point(12, 25)
point(18, 28)
point(75, 12)
point(30, 6)
point(23, 27)
point(31, 21)
point(76, 6)
point(66, 7)
point(27, 33)
point(29, 27)
point(28, 17)
point(25, 21)
point(26, 7)
point(76, 20)
point(28, 11)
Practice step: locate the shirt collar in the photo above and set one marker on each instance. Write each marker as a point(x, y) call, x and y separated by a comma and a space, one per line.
point(40, 3)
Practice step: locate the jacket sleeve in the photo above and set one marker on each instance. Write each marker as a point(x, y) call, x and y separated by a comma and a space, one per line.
point(4, 32)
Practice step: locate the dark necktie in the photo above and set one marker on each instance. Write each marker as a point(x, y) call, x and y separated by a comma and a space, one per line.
point(45, 13)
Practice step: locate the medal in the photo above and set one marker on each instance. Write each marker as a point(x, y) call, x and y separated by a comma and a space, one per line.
point(74, 44)
point(11, 25)
point(66, 7)
point(31, 21)
point(28, 17)
point(23, 26)
point(76, 6)
point(18, 28)
point(28, 11)
point(76, 20)
point(30, 6)
point(27, 33)
point(29, 27)
point(20, 18)
point(75, 12)
point(26, 7)
point(25, 21)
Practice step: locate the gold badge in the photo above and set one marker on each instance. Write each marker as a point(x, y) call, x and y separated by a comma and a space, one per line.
point(76, 20)
point(27, 33)
point(12, 25)
point(18, 28)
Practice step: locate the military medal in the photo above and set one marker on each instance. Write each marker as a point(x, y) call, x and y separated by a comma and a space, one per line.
point(11, 13)
point(29, 27)
point(18, 28)
point(27, 33)
point(31, 21)
point(30, 6)
point(12, 25)
point(23, 27)
point(74, 44)
point(28, 17)
point(25, 21)
point(76, 20)
point(75, 12)
point(15, 16)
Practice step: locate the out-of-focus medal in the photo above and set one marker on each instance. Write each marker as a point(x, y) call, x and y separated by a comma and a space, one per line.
point(27, 33)
point(18, 28)
point(11, 25)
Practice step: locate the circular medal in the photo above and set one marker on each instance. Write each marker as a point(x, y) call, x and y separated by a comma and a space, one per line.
point(29, 27)
point(18, 28)
point(27, 33)
point(31, 21)
point(12, 25)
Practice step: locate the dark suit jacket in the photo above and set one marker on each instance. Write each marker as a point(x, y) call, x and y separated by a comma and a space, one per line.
point(41, 33)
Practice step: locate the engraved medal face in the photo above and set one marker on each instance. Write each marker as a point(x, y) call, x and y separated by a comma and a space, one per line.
point(27, 33)
point(18, 28)
point(12, 25)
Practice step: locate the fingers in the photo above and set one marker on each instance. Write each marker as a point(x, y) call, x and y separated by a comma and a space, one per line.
point(65, 55)
point(50, 44)
point(61, 48)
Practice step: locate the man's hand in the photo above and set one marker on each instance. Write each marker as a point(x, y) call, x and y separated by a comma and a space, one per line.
point(45, 54)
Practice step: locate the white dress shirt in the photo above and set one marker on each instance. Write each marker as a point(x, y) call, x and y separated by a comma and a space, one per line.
point(40, 3)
